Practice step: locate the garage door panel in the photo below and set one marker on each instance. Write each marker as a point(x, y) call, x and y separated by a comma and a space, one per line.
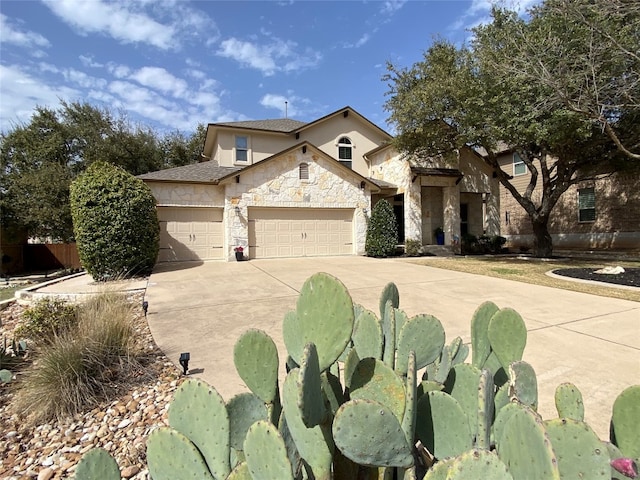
point(189, 233)
point(294, 232)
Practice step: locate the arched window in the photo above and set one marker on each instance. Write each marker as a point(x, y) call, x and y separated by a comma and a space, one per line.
point(304, 171)
point(345, 154)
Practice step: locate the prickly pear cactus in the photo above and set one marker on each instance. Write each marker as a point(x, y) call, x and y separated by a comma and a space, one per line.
point(477, 464)
point(256, 359)
point(171, 455)
point(369, 433)
point(524, 446)
point(244, 410)
point(199, 412)
point(481, 348)
point(625, 422)
point(569, 402)
point(579, 451)
point(424, 335)
point(368, 337)
point(97, 464)
point(324, 316)
point(5, 376)
point(523, 384)
point(507, 335)
point(266, 453)
point(373, 380)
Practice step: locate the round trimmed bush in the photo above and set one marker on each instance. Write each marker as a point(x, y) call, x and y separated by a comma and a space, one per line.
point(115, 222)
point(382, 231)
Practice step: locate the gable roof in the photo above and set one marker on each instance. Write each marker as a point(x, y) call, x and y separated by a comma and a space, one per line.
point(311, 147)
point(204, 172)
point(345, 111)
point(283, 125)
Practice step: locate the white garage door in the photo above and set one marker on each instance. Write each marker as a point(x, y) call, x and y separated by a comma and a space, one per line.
point(298, 232)
point(188, 233)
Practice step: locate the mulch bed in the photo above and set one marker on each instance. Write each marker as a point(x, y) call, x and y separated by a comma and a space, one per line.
point(630, 277)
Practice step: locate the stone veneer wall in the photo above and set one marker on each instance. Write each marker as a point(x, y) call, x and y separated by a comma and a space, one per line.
point(276, 183)
point(391, 167)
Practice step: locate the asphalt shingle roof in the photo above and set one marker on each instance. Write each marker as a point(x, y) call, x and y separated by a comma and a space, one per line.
point(285, 125)
point(197, 172)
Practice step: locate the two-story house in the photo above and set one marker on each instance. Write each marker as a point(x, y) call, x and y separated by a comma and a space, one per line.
point(285, 188)
point(603, 213)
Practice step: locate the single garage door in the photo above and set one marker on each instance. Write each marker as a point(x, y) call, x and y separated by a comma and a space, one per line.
point(299, 232)
point(189, 233)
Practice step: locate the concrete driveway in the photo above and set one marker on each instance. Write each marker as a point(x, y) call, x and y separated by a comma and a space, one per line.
point(589, 340)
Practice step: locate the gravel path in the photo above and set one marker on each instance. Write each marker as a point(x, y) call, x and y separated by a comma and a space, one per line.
point(630, 277)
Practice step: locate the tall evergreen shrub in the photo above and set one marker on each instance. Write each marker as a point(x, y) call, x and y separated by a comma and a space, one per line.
point(382, 231)
point(115, 222)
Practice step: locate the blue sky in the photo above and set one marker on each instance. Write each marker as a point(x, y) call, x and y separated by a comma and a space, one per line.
point(171, 64)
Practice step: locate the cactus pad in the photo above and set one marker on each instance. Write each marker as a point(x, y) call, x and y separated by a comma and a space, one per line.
point(373, 380)
point(240, 472)
point(523, 384)
point(171, 455)
point(480, 346)
point(266, 454)
point(256, 359)
point(462, 384)
point(442, 425)
point(244, 410)
point(198, 412)
point(367, 335)
point(569, 402)
point(424, 335)
point(525, 447)
point(389, 292)
point(324, 316)
point(310, 398)
point(580, 452)
point(478, 464)
point(97, 464)
point(507, 335)
point(625, 422)
point(368, 433)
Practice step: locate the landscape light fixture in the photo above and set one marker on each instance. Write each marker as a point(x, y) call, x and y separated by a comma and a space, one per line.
point(145, 307)
point(184, 361)
point(237, 210)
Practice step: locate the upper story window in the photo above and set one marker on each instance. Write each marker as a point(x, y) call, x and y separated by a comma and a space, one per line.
point(586, 205)
point(242, 148)
point(519, 168)
point(304, 171)
point(345, 151)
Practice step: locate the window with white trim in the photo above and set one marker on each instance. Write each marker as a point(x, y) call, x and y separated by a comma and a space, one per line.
point(242, 148)
point(304, 171)
point(519, 167)
point(345, 151)
point(587, 205)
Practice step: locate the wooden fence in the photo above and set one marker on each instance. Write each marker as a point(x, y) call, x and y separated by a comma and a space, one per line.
point(38, 257)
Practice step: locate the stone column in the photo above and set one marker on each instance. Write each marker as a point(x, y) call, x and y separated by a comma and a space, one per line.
point(413, 212)
point(451, 202)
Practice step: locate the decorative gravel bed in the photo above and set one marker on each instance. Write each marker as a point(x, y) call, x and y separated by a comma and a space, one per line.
point(121, 426)
point(630, 277)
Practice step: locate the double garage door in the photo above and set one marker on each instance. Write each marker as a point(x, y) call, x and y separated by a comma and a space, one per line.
point(188, 234)
point(299, 232)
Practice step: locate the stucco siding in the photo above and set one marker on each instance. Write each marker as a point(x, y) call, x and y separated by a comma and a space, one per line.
point(171, 194)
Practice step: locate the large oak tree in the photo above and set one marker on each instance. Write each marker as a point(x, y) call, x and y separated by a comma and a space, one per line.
point(491, 93)
point(39, 159)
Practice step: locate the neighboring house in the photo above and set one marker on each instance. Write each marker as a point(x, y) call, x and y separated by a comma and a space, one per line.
point(284, 188)
point(598, 214)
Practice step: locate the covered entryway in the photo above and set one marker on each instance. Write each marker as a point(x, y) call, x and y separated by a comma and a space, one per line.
point(299, 232)
point(190, 233)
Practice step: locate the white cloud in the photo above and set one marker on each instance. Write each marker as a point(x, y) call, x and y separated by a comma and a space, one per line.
point(160, 79)
point(295, 107)
point(22, 92)
point(14, 34)
point(361, 41)
point(118, 71)
point(83, 80)
point(390, 7)
point(269, 57)
point(88, 61)
point(114, 19)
